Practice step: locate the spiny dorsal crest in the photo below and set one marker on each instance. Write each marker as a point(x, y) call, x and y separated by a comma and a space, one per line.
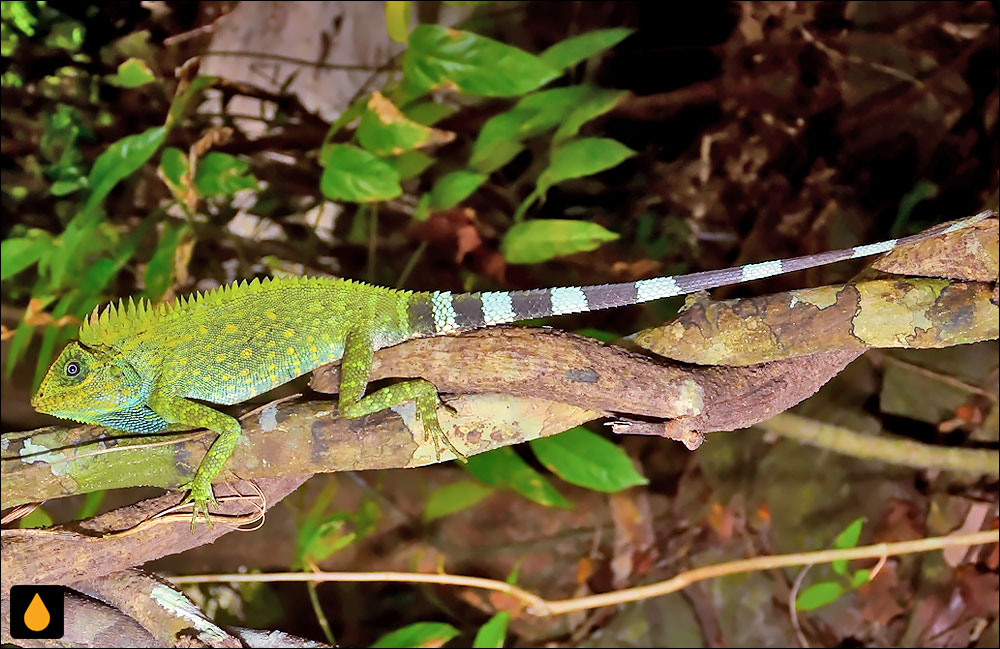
point(125, 318)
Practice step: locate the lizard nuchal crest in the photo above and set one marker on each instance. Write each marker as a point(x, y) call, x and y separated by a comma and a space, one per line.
point(144, 368)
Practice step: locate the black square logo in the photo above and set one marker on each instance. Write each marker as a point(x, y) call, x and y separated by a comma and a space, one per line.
point(36, 612)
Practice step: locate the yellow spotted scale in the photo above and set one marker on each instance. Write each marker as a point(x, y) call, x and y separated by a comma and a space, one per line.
point(143, 368)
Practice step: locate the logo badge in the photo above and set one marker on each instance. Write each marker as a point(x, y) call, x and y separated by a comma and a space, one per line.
point(36, 612)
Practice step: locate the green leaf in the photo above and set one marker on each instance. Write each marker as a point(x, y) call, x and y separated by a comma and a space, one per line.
point(491, 635)
point(532, 115)
point(173, 171)
point(91, 504)
point(441, 57)
point(321, 532)
point(384, 130)
point(599, 334)
point(119, 161)
point(19, 253)
point(571, 51)
point(174, 164)
point(582, 157)
point(453, 188)
point(429, 113)
point(51, 336)
point(64, 187)
point(17, 12)
point(589, 108)
point(420, 634)
point(847, 539)
point(222, 174)
point(423, 211)
point(860, 577)
point(818, 595)
point(410, 164)
point(180, 102)
point(454, 497)
point(160, 269)
point(353, 174)
point(132, 73)
point(586, 459)
point(397, 20)
point(504, 468)
point(497, 155)
point(36, 518)
point(535, 241)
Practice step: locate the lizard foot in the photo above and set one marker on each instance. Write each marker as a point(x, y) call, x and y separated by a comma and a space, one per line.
point(433, 433)
point(201, 496)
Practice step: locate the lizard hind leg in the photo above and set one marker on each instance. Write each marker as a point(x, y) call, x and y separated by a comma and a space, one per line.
point(355, 369)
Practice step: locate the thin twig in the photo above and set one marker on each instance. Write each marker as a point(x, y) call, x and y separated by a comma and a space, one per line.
point(291, 59)
point(793, 610)
point(538, 606)
point(953, 381)
point(893, 450)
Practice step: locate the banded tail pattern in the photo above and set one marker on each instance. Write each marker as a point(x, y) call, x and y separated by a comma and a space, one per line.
point(443, 312)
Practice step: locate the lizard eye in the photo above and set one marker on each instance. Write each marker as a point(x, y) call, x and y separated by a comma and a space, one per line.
point(72, 368)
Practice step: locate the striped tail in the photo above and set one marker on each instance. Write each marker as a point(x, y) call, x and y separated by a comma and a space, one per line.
point(444, 313)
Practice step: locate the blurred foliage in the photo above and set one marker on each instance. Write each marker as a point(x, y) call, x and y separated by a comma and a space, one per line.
point(678, 138)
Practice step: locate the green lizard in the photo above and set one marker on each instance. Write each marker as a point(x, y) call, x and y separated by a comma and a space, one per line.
point(144, 368)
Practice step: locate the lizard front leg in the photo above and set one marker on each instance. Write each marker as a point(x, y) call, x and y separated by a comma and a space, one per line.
point(355, 369)
point(178, 410)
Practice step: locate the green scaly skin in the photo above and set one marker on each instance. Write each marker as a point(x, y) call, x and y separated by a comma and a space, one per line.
point(138, 367)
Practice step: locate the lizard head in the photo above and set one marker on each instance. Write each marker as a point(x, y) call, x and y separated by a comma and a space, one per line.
point(88, 384)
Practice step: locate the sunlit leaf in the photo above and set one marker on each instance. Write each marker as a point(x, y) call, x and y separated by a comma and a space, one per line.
point(586, 459)
point(179, 105)
point(160, 269)
point(119, 161)
point(818, 595)
point(572, 50)
point(19, 253)
point(441, 57)
point(429, 113)
point(453, 188)
point(492, 634)
point(397, 20)
point(173, 170)
point(503, 467)
point(384, 130)
point(583, 157)
point(132, 73)
point(222, 174)
point(420, 634)
point(454, 497)
point(847, 539)
point(535, 241)
point(20, 16)
point(353, 174)
point(36, 518)
point(532, 115)
point(410, 164)
point(91, 504)
point(591, 107)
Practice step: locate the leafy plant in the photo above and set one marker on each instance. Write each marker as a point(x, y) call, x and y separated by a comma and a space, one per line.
point(828, 591)
point(578, 456)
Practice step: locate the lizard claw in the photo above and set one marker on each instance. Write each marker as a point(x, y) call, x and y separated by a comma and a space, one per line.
point(438, 436)
point(447, 406)
point(201, 497)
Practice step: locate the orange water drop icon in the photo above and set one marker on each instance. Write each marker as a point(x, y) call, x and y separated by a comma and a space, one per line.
point(36, 616)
